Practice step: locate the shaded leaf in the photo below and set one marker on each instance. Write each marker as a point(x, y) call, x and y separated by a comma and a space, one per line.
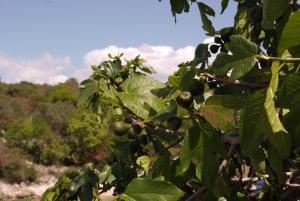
point(224, 5)
point(192, 146)
point(187, 79)
point(206, 23)
point(201, 146)
point(201, 53)
point(272, 9)
point(292, 124)
point(253, 123)
point(290, 35)
point(289, 93)
point(178, 6)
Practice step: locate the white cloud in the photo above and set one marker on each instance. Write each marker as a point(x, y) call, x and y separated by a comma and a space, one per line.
point(50, 69)
point(164, 59)
point(44, 69)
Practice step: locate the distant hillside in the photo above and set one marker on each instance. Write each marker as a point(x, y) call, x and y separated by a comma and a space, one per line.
point(42, 123)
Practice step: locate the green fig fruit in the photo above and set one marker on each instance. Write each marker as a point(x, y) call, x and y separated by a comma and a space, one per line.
point(184, 99)
point(119, 128)
point(197, 87)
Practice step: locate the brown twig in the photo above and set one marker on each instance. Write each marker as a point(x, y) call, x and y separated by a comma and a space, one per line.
point(228, 139)
point(198, 195)
point(174, 144)
point(292, 186)
point(235, 82)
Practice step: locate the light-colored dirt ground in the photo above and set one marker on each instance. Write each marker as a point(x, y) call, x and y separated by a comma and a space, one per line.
point(47, 177)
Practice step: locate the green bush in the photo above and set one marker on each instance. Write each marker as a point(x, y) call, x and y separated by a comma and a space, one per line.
point(84, 136)
point(13, 167)
point(44, 123)
point(56, 151)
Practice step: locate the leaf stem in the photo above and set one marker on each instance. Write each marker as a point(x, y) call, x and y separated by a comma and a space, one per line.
point(268, 58)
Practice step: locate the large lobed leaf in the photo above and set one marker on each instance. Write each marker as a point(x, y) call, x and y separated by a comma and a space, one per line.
point(89, 88)
point(151, 190)
point(137, 93)
point(241, 61)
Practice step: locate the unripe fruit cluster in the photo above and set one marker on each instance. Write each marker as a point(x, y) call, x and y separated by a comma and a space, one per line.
point(185, 98)
point(133, 132)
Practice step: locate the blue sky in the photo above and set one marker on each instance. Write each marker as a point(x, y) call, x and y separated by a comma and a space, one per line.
point(63, 32)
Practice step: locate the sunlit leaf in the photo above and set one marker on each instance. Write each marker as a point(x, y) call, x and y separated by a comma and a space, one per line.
point(225, 101)
point(144, 162)
point(137, 92)
point(241, 61)
point(151, 190)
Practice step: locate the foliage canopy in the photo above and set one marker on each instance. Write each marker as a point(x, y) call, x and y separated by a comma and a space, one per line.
point(252, 86)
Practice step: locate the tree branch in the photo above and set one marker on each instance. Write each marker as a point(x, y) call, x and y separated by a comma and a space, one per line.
point(174, 144)
point(292, 186)
point(198, 194)
point(235, 82)
point(268, 58)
